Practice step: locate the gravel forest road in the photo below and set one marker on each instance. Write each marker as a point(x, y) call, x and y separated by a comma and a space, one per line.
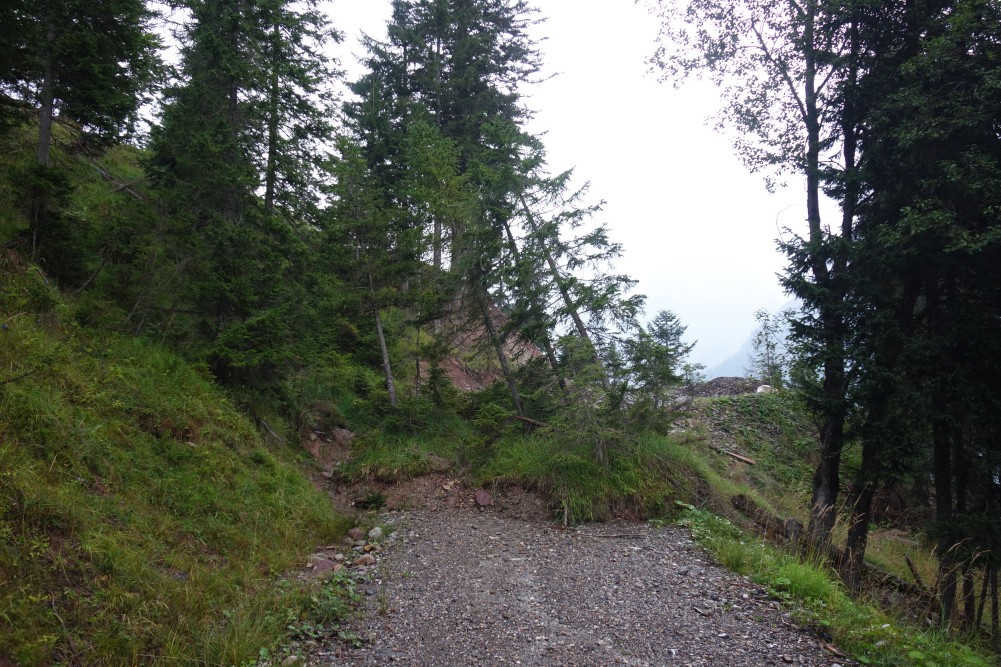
point(459, 586)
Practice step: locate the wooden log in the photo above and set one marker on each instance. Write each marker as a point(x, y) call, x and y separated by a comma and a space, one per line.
point(529, 420)
point(743, 459)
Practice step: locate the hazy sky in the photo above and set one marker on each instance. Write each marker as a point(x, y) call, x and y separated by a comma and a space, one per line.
point(698, 230)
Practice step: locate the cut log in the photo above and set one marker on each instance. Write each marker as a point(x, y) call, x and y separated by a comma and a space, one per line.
point(740, 458)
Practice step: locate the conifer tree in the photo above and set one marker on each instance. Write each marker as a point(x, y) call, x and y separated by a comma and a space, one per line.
point(92, 64)
point(455, 65)
point(227, 135)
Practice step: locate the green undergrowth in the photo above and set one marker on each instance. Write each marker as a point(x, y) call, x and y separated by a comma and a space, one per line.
point(142, 518)
point(776, 432)
point(868, 635)
point(639, 478)
point(417, 439)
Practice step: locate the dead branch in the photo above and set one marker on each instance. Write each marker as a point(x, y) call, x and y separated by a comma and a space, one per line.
point(19, 377)
point(743, 459)
point(914, 571)
point(529, 420)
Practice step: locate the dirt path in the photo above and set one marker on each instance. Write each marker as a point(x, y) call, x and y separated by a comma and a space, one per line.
point(460, 586)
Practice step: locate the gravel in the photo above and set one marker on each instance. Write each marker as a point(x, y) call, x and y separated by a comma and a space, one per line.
point(725, 386)
point(469, 587)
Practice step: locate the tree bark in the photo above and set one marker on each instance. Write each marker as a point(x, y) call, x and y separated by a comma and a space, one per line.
point(512, 386)
point(40, 206)
point(826, 480)
point(941, 454)
point(537, 311)
point(274, 91)
point(386, 365)
point(858, 528)
point(995, 635)
point(47, 97)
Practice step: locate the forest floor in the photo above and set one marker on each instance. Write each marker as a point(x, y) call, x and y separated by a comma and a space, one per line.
point(456, 584)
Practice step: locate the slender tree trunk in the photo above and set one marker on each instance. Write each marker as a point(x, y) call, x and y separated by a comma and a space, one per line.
point(436, 245)
point(40, 206)
point(512, 386)
point(941, 453)
point(47, 97)
point(827, 478)
point(858, 527)
point(386, 365)
point(561, 284)
point(232, 209)
point(274, 91)
point(969, 596)
point(995, 636)
point(417, 362)
point(984, 587)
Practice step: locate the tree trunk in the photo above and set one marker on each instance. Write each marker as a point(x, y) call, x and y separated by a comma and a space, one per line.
point(969, 596)
point(274, 91)
point(942, 450)
point(47, 97)
point(567, 299)
point(537, 311)
point(512, 386)
point(40, 206)
point(995, 636)
point(386, 365)
point(436, 245)
point(858, 527)
point(826, 479)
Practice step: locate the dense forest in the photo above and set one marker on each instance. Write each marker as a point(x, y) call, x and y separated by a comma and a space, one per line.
point(318, 255)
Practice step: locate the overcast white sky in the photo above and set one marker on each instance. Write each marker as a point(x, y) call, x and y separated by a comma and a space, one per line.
point(698, 230)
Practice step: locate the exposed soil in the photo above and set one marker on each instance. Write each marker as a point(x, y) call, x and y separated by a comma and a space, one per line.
point(455, 584)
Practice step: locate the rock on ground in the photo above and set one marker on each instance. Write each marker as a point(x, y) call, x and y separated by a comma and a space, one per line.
point(459, 587)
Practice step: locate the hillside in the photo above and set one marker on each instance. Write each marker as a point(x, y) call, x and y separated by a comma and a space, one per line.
point(143, 518)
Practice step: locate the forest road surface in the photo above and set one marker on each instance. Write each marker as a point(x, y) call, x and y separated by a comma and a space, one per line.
point(465, 587)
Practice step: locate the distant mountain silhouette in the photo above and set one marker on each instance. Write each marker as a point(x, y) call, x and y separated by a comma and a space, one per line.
point(736, 365)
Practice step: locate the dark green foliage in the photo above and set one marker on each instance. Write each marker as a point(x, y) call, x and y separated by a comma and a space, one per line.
point(100, 57)
point(930, 238)
point(655, 358)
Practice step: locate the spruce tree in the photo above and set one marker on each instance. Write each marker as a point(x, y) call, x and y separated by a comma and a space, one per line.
point(92, 64)
point(221, 143)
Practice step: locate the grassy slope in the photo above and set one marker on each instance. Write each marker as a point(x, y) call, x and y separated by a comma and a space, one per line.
point(142, 519)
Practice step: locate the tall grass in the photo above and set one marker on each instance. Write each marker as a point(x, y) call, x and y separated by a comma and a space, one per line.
point(867, 634)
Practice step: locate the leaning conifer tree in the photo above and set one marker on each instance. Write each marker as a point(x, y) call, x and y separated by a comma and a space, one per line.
point(455, 66)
